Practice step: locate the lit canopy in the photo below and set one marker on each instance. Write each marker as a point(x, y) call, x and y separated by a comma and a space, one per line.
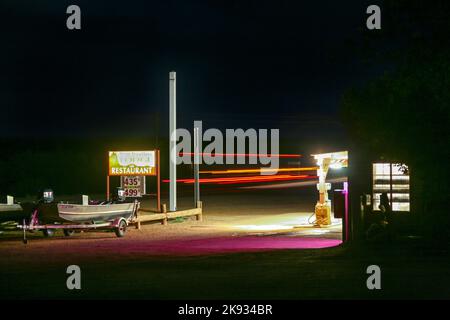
point(337, 159)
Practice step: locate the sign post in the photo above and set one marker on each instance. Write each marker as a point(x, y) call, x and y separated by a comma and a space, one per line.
point(107, 187)
point(158, 182)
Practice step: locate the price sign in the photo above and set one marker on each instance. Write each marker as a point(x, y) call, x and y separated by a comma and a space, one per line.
point(134, 186)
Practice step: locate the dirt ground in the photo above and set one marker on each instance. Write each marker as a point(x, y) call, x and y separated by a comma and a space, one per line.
point(231, 215)
point(232, 222)
point(249, 245)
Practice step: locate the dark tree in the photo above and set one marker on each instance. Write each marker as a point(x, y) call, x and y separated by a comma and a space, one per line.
point(404, 114)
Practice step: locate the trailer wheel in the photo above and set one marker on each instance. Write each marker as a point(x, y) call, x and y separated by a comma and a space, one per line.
point(68, 232)
point(48, 233)
point(121, 228)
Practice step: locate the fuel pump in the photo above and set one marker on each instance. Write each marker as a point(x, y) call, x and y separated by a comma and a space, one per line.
point(326, 161)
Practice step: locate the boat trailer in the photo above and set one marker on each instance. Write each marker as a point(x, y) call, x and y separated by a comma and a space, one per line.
point(119, 225)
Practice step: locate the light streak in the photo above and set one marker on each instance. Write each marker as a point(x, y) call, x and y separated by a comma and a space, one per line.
point(259, 170)
point(242, 155)
point(247, 179)
point(294, 184)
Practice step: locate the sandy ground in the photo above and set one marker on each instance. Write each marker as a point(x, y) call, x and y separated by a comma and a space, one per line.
point(231, 215)
point(250, 245)
point(233, 223)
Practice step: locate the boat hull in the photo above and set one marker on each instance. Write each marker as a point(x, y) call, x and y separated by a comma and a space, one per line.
point(89, 213)
point(13, 212)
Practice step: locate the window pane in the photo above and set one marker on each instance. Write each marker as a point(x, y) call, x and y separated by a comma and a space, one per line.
point(397, 183)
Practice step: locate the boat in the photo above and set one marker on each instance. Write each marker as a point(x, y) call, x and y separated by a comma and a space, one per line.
point(96, 212)
point(16, 212)
point(10, 212)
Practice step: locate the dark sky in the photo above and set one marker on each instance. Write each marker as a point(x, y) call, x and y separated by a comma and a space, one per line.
point(261, 64)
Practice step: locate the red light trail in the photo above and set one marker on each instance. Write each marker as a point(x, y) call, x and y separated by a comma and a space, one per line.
point(247, 179)
point(259, 170)
point(242, 155)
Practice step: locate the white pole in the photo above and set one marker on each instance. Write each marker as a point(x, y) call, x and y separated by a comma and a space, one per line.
point(173, 141)
point(196, 167)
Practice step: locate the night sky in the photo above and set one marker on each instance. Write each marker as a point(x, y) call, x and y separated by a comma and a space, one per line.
point(250, 64)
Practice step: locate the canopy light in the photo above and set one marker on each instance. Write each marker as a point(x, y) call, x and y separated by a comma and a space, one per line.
point(336, 166)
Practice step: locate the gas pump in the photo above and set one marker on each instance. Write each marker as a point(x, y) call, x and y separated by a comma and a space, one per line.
point(326, 161)
point(323, 206)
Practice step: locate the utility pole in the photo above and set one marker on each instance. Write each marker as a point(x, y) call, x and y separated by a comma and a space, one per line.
point(196, 167)
point(173, 141)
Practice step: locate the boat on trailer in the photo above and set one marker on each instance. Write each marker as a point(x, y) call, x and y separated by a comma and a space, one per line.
point(11, 211)
point(96, 212)
point(49, 216)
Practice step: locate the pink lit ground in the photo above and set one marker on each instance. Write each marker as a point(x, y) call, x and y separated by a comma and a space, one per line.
point(234, 224)
point(256, 225)
point(214, 235)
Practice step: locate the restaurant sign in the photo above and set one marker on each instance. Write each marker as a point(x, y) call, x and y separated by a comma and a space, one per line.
point(132, 163)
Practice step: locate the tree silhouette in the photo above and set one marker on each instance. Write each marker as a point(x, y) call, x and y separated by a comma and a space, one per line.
point(405, 113)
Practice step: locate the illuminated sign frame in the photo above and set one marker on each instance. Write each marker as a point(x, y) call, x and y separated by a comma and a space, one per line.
point(132, 163)
point(148, 163)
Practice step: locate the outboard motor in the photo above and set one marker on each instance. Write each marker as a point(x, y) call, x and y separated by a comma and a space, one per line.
point(47, 196)
point(121, 195)
point(45, 211)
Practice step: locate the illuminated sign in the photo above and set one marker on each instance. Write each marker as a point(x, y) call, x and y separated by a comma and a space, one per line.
point(132, 163)
point(134, 186)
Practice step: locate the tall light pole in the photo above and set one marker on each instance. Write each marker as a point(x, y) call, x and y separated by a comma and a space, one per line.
point(196, 166)
point(173, 140)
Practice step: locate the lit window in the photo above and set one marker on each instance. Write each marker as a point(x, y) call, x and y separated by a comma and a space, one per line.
point(392, 178)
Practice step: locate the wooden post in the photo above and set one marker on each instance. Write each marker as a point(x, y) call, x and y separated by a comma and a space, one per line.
point(107, 187)
point(199, 205)
point(158, 182)
point(138, 221)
